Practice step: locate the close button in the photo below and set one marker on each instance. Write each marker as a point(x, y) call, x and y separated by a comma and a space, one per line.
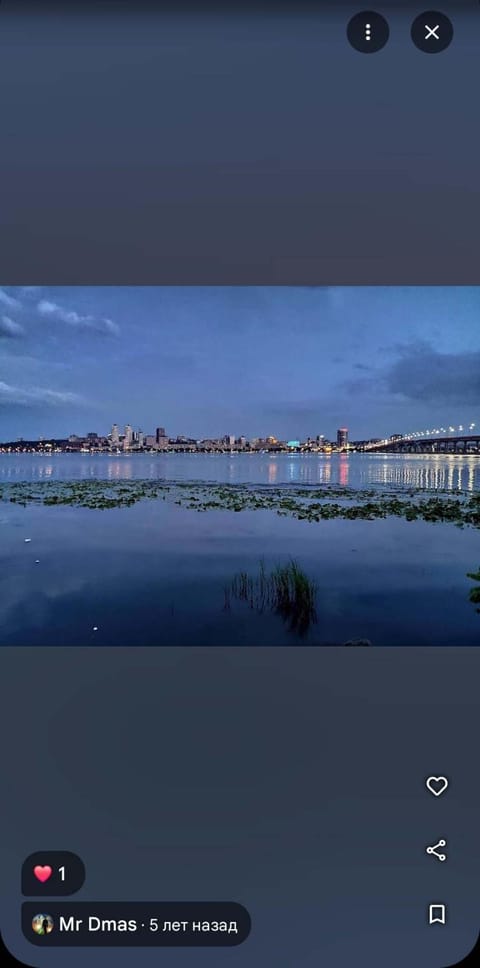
point(432, 32)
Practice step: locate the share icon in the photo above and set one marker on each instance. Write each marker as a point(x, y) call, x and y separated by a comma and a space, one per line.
point(433, 850)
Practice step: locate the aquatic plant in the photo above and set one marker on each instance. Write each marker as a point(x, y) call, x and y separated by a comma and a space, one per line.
point(312, 504)
point(474, 595)
point(286, 590)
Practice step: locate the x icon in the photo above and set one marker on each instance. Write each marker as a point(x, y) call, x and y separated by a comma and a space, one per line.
point(432, 36)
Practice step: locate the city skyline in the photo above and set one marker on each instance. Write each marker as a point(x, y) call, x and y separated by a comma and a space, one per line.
point(293, 362)
point(135, 439)
point(463, 439)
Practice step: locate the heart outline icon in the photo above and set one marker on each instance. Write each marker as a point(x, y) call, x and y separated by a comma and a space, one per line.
point(42, 873)
point(436, 785)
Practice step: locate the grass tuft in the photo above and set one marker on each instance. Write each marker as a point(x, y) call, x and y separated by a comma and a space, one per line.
point(474, 595)
point(286, 590)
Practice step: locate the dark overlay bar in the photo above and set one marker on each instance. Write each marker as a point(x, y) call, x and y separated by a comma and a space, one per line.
point(166, 924)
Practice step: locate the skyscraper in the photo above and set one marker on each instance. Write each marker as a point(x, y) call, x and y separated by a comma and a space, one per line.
point(342, 438)
point(115, 437)
point(128, 439)
point(161, 438)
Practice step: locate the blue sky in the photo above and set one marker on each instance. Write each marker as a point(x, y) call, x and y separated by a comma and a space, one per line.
point(206, 361)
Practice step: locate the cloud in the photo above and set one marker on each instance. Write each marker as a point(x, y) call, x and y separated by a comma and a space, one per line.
point(421, 374)
point(424, 374)
point(77, 321)
point(11, 396)
point(9, 329)
point(9, 301)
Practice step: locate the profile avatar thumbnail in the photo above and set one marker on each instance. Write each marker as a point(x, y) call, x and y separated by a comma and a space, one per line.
point(42, 924)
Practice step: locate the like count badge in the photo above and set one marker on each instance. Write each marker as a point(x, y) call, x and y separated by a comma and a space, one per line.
point(52, 873)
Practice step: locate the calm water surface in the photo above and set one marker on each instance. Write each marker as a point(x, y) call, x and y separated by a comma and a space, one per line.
point(155, 573)
point(355, 470)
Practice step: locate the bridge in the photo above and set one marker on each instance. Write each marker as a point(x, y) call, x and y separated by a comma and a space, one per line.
point(448, 444)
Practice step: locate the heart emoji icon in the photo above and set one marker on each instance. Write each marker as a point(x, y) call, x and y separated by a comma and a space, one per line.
point(42, 873)
point(436, 785)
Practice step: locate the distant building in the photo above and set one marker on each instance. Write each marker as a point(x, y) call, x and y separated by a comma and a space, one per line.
point(150, 440)
point(115, 436)
point(342, 438)
point(161, 439)
point(128, 438)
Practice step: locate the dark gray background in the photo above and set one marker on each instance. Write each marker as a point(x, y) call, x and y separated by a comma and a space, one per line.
point(244, 149)
point(148, 146)
point(291, 780)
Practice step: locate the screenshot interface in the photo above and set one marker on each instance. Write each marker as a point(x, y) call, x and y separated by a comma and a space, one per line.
point(239, 484)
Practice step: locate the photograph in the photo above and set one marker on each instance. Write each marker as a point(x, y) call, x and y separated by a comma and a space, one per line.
point(43, 924)
point(244, 466)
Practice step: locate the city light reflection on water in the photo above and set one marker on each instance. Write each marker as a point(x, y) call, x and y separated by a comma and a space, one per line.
point(427, 471)
point(430, 472)
point(272, 472)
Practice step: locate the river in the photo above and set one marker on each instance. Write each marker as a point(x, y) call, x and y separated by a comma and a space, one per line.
point(155, 573)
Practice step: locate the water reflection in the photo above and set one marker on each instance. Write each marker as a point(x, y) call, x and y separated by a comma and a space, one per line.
point(343, 470)
point(409, 471)
point(430, 471)
point(272, 472)
point(120, 469)
point(325, 472)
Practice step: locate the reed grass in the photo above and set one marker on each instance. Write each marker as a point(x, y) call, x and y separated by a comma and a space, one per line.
point(287, 591)
point(474, 595)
